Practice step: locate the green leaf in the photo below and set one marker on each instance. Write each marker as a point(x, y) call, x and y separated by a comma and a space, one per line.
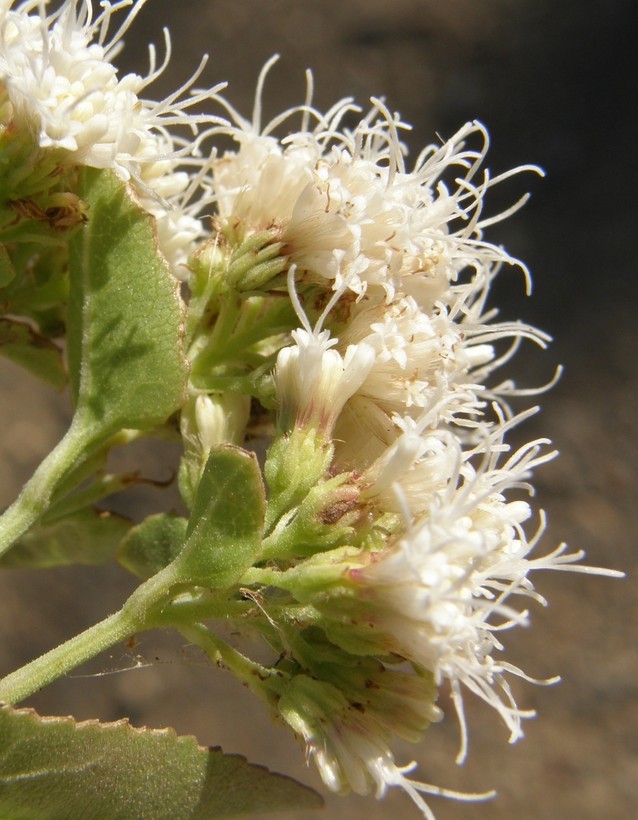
point(23, 346)
point(41, 283)
point(125, 327)
point(87, 536)
point(53, 768)
point(153, 544)
point(226, 525)
point(7, 271)
point(126, 318)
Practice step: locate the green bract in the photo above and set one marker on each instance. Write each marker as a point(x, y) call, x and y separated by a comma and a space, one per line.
point(226, 524)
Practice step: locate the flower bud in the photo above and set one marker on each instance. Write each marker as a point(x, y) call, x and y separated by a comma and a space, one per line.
point(314, 382)
point(208, 421)
point(325, 519)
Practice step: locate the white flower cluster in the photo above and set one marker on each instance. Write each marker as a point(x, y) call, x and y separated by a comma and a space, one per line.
point(442, 590)
point(413, 346)
point(405, 248)
point(394, 374)
point(349, 210)
point(63, 88)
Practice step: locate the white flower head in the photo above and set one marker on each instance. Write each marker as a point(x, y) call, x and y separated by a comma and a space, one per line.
point(64, 90)
point(64, 86)
point(61, 81)
point(351, 747)
point(442, 592)
point(348, 208)
point(313, 380)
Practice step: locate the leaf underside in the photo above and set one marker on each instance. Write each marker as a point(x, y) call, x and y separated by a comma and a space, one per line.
point(125, 326)
point(52, 768)
point(86, 536)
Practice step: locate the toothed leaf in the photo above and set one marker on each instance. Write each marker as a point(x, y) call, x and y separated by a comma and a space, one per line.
point(52, 768)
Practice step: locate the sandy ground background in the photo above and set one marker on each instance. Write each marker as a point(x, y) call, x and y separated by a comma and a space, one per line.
point(554, 84)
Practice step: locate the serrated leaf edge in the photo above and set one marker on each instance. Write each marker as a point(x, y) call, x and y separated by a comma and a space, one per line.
point(167, 731)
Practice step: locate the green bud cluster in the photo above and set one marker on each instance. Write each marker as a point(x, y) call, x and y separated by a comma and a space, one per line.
point(40, 210)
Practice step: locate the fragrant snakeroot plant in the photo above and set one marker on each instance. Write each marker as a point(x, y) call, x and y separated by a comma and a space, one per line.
point(309, 294)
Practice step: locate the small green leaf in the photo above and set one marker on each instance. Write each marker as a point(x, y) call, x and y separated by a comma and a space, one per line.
point(153, 544)
point(126, 318)
point(87, 536)
point(226, 525)
point(7, 271)
point(53, 768)
point(23, 346)
point(41, 287)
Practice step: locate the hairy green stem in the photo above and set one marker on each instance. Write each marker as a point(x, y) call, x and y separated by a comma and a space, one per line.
point(36, 494)
point(205, 607)
point(34, 676)
point(138, 614)
point(265, 682)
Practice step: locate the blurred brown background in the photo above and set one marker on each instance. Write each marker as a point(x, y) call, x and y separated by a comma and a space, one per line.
point(555, 84)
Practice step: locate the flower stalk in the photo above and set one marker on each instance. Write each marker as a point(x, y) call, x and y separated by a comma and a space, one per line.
point(35, 498)
point(135, 616)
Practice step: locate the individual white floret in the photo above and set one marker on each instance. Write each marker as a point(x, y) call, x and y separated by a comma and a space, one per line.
point(313, 380)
